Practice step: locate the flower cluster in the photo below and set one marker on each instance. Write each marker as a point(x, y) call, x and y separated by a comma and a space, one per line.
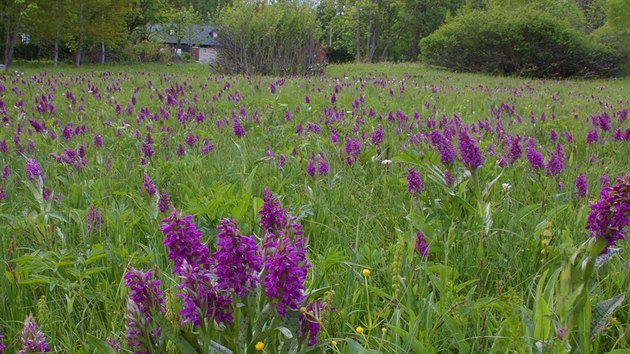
point(353, 149)
point(581, 184)
point(201, 295)
point(32, 339)
point(310, 322)
point(284, 250)
point(444, 145)
point(535, 157)
point(93, 218)
point(469, 151)
point(610, 216)
point(422, 246)
point(555, 164)
point(377, 135)
point(2, 346)
point(144, 298)
point(148, 185)
point(32, 169)
point(183, 242)
point(286, 269)
point(415, 185)
point(164, 203)
point(237, 259)
point(272, 216)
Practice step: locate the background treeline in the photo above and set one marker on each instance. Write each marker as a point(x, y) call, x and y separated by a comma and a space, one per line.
point(551, 38)
point(81, 31)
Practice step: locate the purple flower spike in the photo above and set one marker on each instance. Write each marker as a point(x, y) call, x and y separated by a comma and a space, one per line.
point(422, 246)
point(237, 259)
point(353, 149)
point(535, 157)
point(469, 151)
point(93, 218)
point(581, 184)
point(515, 149)
point(415, 185)
point(2, 346)
point(610, 216)
point(164, 203)
point(183, 242)
point(555, 164)
point(310, 323)
point(285, 261)
point(310, 166)
point(144, 297)
point(32, 169)
point(272, 216)
point(237, 128)
point(377, 136)
point(202, 298)
point(286, 269)
point(592, 137)
point(148, 185)
point(144, 290)
point(322, 165)
point(32, 339)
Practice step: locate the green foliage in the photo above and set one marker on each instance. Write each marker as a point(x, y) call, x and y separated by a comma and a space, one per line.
point(267, 39)
point(527, 43)
point(143, 52)
point(506, 268)
point(615, 33)
point(566, 11)
point(181, 25)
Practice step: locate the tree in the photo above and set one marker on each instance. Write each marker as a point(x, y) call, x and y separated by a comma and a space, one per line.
point(142, 14)
point(13, 13)
point(95, 22)
point(278, 38)
point(48, 22)
point(208, 9)
point(181, 25)
point(419, 18)
point(359, 26)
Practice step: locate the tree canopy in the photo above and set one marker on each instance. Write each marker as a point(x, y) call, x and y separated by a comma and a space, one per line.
point(349, 30)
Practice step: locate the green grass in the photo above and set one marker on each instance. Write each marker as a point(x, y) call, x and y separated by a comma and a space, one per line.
point(489, 246)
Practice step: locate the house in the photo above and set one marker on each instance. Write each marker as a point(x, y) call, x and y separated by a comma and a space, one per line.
point(200, 41)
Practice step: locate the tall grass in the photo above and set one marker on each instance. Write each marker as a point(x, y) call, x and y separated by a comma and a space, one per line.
point(499, 237)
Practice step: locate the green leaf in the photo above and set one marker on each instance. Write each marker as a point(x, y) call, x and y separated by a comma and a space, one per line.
point(542, 324)
point(180, 342)
point(355, 348)
point(100, 345)
point(602, 311)
point(285, 332)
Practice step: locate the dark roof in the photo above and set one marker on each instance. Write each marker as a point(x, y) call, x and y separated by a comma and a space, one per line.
point(201, 35)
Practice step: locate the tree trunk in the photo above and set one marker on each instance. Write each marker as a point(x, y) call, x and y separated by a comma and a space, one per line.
point(13, 38)
point(330, 37)
point(78, 58)
point(80, 37)
point(57, 32)
point(7, 41)
point(368, 57)
point(11, 33)
point(102, 52)
point(56, 59)
point(358, 36)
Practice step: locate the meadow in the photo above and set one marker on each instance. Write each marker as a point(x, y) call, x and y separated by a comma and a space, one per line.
point(375, 209)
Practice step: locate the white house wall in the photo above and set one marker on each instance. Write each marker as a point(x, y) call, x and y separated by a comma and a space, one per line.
point(207, 55)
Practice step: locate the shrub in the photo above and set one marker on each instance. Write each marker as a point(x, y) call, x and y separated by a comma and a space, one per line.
point(267, 39)
point(526, 43)
point(143, 52)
